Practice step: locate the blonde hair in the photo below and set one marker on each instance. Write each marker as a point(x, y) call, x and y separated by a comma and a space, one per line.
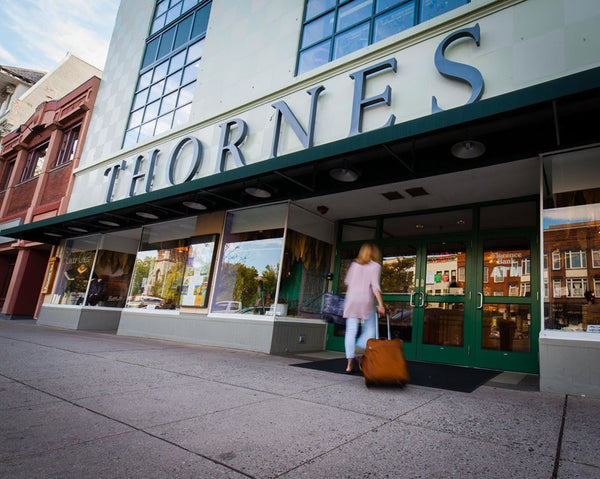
point(368, 252)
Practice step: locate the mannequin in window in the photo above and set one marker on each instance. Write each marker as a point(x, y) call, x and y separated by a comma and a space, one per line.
point(96, 290)
point(77, 278)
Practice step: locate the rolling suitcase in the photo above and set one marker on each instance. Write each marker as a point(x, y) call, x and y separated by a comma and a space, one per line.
point(383, 362)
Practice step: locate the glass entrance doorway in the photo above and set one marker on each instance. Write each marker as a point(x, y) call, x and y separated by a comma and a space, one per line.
point(461, 297)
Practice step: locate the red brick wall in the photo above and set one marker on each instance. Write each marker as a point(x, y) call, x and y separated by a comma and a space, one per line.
point(21, 197)
point(56, 184)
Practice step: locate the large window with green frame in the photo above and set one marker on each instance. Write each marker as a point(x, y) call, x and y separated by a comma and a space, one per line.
point(334, 28)
point(168, 75)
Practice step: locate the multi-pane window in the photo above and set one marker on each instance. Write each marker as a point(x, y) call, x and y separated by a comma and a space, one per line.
point(334, 28)
point(596, 258)
point(556, 260)
point(576, 287)
point(35, 163)
point(575, 259)
point(68, 146)
point(6, 173)
point(167, 80)
point(556, 288)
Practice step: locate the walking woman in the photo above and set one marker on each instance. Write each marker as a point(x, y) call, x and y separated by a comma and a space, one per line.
point(362, 281)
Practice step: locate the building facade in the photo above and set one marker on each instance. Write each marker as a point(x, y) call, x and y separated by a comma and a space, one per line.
point(36, 163)
point(234, 168)
point(14, 82)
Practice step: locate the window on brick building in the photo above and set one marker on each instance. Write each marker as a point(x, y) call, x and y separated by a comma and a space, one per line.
point(35, 163)
point(6, 173)
point(68, 146)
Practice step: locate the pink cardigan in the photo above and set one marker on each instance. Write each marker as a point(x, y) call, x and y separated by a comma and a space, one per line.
point(362, 281)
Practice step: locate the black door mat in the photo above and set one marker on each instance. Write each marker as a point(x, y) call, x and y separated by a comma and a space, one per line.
point(433, 375)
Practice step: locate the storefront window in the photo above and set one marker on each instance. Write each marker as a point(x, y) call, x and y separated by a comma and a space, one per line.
point(306, 264)
point(250, 261)
point(571, 225)
point(160, 265)
point(113, 269)
point(76, 269)
point(197, 271)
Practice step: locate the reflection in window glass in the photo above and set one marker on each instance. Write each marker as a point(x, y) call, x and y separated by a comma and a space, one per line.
point(314, 57)
point(401, 321)
point(353, 12)
point(317, 30)
point(250, 259)
point(197, 272)
point(433, 8)
point(160, 264)
point(394, 22)
point(351, 41)
point(570, 240)
point(76, 267)
point(504, 259)
point(443, 324)
point(315, 7)
point(354, 24)
point(157, 277)
point(444, 260)
point(398, 269)
point(506, 327)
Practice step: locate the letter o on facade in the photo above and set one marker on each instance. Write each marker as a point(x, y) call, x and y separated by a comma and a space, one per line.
point(194, 163)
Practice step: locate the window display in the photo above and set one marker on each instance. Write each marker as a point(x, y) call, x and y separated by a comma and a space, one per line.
point(78, 260)
point(197, 272)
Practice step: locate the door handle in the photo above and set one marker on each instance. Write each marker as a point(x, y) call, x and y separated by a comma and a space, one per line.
point(422, 300)
point(410, 300)
point(480, 300)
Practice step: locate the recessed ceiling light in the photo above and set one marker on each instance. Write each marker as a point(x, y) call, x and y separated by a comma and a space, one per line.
point(258, 192)
point(419, 226)
point(108, 223)
point(468, 149)
point(194, 205)
point(144, 214)
point(55, 235)
point(77, 229)
point(345, 175)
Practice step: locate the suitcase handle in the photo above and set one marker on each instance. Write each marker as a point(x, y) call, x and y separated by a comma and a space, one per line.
point(389, 329)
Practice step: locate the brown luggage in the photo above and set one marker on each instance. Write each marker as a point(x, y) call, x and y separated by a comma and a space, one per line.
point(383, 363)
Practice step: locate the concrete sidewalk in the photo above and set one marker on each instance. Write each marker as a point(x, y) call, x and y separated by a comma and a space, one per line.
point(77, 404)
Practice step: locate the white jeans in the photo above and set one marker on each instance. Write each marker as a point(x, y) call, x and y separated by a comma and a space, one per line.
point(368, 331)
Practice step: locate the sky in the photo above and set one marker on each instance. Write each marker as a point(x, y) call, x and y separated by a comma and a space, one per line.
point(38, 34)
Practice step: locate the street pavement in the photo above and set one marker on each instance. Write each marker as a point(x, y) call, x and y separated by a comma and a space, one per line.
point(80, 404)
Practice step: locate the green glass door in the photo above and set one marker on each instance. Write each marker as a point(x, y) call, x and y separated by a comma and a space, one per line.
point(507, 313)
point(426, 287)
